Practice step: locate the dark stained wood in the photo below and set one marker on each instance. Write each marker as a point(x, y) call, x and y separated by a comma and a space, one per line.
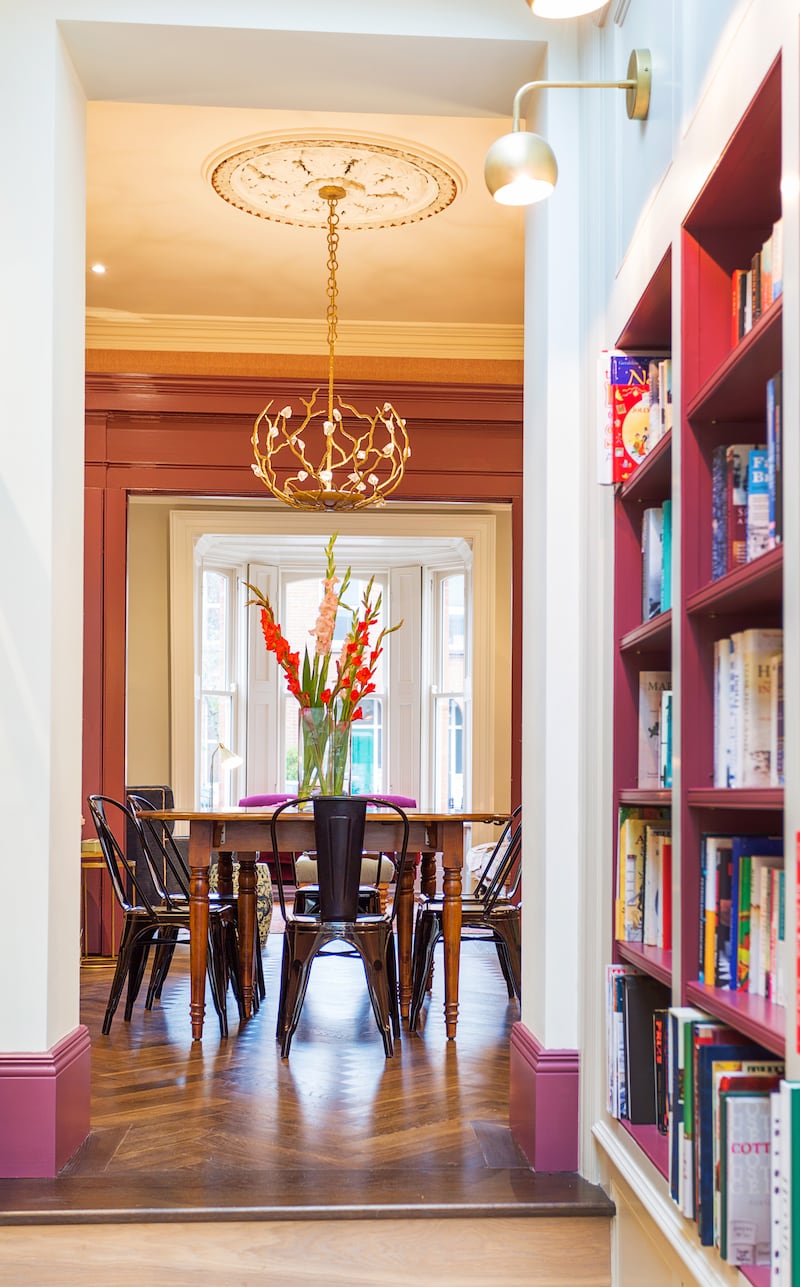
point(227, 1130)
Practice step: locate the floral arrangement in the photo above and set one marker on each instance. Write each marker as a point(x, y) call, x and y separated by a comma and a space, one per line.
point(328, 703)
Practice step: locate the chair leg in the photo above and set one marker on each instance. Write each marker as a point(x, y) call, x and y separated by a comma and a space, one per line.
point(302, 950)
point(162, 959)
point(507, 930)
point(427, 931)
point(138, 961)
point(218, 973)
point(260, 984)
point(130, 935)
point(505, 965)
point(374, 950)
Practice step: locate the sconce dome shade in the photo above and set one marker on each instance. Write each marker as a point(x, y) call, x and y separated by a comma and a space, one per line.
point(564, 8)
point(520, 169)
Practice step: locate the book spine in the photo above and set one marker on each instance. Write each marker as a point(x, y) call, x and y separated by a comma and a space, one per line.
point(719, 557)
point(757, 539)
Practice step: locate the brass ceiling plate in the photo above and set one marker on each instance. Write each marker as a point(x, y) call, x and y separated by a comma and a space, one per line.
point(385, 184)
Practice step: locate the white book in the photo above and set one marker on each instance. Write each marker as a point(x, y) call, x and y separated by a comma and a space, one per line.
point(652, 683)
point(758, 648)
point(776, 778)
point(775, 1203)
point(733, 753)
point(722, 666)
point(653, 886)
point(744, 1156)
point(759, 921)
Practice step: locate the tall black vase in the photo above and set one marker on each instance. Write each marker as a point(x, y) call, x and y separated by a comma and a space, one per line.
point(339, 837)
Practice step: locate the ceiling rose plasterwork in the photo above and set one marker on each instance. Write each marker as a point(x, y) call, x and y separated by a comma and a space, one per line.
point(385, 184)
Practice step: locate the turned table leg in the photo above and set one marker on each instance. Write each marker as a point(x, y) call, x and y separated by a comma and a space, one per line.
point(199, 858)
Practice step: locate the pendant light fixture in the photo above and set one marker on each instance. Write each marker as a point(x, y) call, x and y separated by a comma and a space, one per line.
point(564, 8)
point(337, 458)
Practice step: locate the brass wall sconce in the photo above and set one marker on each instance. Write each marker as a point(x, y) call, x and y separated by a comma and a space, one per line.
point(521, 167)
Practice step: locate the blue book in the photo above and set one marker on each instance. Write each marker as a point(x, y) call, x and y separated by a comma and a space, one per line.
point(745, 847)
point(666, 556)
point(758, 503)
point(774, 463)
point(719, 512)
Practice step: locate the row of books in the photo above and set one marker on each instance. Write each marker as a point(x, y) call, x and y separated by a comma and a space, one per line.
point(643, 902)
point(655, 730)
point(758, 285)
point(746, 492)
point(709, 1089)
point(742, 914)
point(748, 709)
point(634, 411)
point(656, 560)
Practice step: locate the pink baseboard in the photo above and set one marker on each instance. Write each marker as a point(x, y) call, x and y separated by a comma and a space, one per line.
point(44, 1107)
point(543, 1102)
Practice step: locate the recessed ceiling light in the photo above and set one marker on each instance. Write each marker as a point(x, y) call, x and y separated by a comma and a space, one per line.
point(99, 269)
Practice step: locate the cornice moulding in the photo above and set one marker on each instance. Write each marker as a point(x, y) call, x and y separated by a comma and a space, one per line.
point(175, 333)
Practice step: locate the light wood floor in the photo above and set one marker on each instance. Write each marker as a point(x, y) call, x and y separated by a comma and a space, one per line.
point(219, 1163)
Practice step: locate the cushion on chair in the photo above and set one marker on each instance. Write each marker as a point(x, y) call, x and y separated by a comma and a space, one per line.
point(263, 893)
point(262, 801)
point(306, 870)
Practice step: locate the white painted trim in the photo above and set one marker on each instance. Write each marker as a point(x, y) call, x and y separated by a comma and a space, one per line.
point(153, 332)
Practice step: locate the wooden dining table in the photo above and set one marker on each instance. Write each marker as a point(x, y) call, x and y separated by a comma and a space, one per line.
point(246, 832)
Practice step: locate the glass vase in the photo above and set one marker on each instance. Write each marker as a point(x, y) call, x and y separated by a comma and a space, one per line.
point(323, 753)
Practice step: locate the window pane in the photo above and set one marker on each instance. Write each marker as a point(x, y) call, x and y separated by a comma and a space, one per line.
point(214, 630)
point(216, 722)
point(366, 749)
point(452, 633)
point(449, 754)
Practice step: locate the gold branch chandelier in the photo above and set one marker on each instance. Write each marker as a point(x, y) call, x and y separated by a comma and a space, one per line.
point(323, 461)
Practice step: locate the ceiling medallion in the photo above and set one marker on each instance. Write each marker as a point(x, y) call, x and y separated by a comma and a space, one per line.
point(384, 185)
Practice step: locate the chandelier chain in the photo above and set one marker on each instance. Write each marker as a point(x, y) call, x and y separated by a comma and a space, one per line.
point(331, 314)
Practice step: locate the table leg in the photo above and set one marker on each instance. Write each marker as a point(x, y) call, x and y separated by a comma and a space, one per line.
point(405, 918)
point(427, 873)
point(199, 858)
point(452, 849)
point(247, 924)
point(225, 875)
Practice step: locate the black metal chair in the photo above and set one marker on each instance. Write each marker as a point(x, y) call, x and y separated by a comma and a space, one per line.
point(491, 912)
point(168, 874)
point(336, 914)
point(147, 923)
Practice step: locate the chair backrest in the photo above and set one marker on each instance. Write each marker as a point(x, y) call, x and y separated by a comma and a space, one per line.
point(503, 864)
point(339, 823)
point(112, 819)
point(162, 855)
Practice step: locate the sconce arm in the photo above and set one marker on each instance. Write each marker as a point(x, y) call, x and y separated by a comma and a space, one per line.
point(637, 84)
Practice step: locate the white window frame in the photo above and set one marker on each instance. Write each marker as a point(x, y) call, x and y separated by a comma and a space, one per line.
point(476, 527)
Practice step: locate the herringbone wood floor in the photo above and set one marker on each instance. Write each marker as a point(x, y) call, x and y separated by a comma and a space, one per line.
point(227, 1131)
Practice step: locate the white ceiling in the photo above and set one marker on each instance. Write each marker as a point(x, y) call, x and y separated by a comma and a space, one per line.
point(177, 254)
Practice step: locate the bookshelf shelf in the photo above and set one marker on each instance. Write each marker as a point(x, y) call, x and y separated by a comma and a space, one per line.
point(651, 480)
point(734, 391)
point(651, 636)
point(753, 587)
point(652, 1143)
point(645, 798)
point(757, 1018)
point(763, 798)
point(655, 961)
